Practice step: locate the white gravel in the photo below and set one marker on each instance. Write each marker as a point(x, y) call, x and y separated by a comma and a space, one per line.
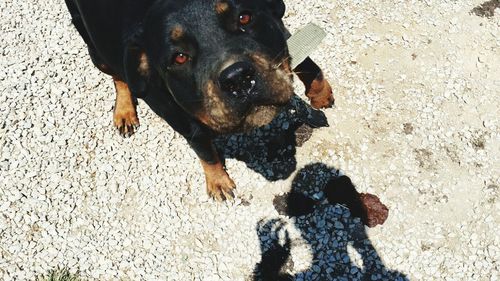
point(417, 123)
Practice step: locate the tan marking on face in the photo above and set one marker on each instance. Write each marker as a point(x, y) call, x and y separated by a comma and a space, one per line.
point(203, 117)
point(143, 65)
point(215, 113)
point(221, 7)
point(286, 66)
point(278, 80)
point(177, 33)
point(218, 109)
point(260, 116)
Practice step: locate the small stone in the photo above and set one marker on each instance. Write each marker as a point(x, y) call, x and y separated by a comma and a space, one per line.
point(339, 225)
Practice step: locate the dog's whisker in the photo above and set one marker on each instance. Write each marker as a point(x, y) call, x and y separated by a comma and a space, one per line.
point(279, 54)
point(282, 61)
point(194, 134)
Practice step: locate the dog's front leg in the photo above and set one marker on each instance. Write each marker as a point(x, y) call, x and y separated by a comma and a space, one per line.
point(219, 185)
point(318, 90)
point(125, 113)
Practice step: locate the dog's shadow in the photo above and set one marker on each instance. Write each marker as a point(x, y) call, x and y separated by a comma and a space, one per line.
point(270, 150)
point(326, 230)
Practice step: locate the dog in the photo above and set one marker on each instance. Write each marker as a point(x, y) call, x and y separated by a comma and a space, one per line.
point(207, 67)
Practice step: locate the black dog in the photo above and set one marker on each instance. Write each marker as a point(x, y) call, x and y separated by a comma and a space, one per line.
point(205, 66)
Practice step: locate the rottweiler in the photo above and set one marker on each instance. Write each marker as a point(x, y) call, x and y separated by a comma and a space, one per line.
point(207, 67)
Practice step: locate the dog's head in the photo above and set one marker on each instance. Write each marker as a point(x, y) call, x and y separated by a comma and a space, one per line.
point(225, 62)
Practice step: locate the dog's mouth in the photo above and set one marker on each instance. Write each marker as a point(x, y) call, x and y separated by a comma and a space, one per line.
point(262, 100)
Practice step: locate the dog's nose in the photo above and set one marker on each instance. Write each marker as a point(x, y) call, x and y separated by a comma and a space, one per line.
point(238, 79)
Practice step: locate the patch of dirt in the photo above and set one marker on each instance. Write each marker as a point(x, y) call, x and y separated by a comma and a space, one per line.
point(492, 191)
point(478, 141)
point(424, 158)
point(425, 246)
point(408, 128)
point(245, 202)
point(452, 152)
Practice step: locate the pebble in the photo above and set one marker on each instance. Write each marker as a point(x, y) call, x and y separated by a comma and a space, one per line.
point(339, 225)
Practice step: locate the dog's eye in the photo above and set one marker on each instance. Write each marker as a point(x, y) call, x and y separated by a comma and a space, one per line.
point(245, 18)
point(180, 58)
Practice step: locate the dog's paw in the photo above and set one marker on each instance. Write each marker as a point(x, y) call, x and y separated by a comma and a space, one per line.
point(320, 93)
point(125, 120)
point(220, 186)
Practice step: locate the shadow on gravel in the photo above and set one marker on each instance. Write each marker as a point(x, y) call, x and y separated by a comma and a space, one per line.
point(326, 208)
point(270, 150)
point(328, 229)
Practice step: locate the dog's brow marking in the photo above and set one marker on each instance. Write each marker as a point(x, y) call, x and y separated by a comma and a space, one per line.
point(177, 33)
point(143, 65)
point(221, 7)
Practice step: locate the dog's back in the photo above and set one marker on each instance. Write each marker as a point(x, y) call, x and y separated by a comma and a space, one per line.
point(105, 26)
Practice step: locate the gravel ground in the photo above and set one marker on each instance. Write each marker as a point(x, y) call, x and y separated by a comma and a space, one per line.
point(417, 123)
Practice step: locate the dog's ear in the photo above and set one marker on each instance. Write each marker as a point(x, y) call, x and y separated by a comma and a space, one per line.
point(137, 72)
point(277, 7)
